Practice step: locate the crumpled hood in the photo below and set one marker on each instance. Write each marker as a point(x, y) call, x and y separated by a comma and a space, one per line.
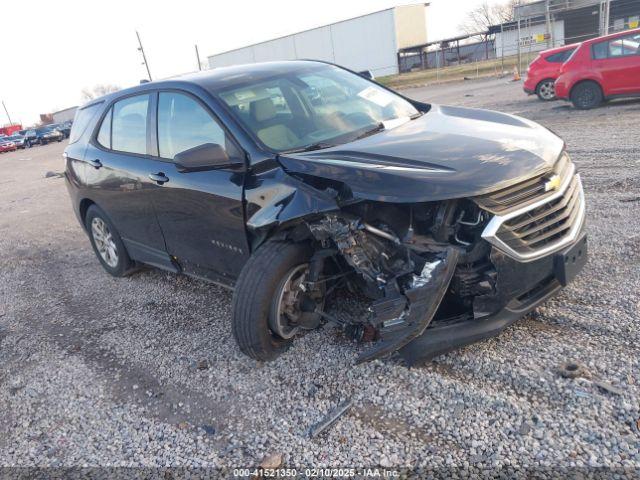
point(449, 152)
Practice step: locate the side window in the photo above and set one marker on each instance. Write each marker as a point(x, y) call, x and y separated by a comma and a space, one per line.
point(555, 58)
point(129, 125)
point(560, 57)
point(618, 47)
point(81, 121)
point(183, 124)
point(623, 46)
point(600, 50)
point(104, 134)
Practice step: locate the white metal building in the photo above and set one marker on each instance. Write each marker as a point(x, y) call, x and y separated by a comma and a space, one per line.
point(65, 115)
point(369, 42)
point(532, 38)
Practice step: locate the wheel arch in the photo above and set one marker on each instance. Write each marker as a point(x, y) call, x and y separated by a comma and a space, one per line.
point(83, 207)
point(587, 80)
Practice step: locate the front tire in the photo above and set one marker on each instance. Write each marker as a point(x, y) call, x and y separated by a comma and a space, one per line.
point(546, 90)
point(586, 95)
point(257, 297)
point(107, 244)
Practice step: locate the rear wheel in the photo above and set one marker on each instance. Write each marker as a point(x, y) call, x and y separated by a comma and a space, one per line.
point(586, 95)
point(272, 301)
point(546, 90)
point(107, 244)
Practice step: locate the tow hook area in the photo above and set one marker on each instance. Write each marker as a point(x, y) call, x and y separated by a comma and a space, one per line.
point(410, 287)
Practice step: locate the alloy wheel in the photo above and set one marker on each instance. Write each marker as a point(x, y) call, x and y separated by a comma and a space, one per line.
point(104, 242)
point(547, 90)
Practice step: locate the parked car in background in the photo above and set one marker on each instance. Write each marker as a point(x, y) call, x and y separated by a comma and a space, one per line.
point(18, 139)
point(544, 70)
point(7, 145)
point(64, 127)
point(601, 69)
point(49, 134)
point(288, 180)
point(30, 137)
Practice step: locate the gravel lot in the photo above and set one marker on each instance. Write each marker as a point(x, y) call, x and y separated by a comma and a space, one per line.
point(144, 371)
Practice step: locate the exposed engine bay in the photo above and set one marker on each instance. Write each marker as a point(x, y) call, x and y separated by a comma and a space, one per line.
point(413, 261)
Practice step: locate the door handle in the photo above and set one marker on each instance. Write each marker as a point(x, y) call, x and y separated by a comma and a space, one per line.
point(95, 163)
point(159, 178)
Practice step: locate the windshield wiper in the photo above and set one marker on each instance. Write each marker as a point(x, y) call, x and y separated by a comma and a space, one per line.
point(312, 147)
point(378, 128)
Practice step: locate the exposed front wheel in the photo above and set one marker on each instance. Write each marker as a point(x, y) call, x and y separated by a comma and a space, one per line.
point(546, 90)
point(586, 95)
point(107, 244)
point(272, 300)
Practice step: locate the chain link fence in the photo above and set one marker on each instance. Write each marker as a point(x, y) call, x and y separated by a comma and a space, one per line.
point(537, 26)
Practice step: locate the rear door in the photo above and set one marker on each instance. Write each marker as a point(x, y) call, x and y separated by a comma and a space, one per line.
point(201, 213)
point(618, 62)
point(120, 158)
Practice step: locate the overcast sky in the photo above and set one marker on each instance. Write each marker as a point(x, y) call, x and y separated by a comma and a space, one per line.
point(58, 48)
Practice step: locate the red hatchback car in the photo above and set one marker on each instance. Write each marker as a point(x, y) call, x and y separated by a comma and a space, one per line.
point(601, 69)
point(543, 71)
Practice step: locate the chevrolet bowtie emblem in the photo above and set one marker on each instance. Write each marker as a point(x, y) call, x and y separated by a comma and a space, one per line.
point(553, 183)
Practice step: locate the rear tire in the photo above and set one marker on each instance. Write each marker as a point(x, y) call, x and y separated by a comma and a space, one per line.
point(107, 244)
point(256, 291)
point(546, 90)
point(586, 95)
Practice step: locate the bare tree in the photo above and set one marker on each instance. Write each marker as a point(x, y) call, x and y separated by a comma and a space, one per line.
point(486, 15)
point(98, 91)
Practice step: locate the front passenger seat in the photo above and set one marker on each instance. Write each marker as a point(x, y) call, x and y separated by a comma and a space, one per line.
point(277, 136)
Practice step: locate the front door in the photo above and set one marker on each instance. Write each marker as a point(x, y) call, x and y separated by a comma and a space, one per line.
point(618, 61)
point(200, 213)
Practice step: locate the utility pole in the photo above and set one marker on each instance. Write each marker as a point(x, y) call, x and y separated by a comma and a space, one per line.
point(605, 11)
point(144, 57)
point(519, 48)
point(7, 112)
point(198, 57)
point(549, 26)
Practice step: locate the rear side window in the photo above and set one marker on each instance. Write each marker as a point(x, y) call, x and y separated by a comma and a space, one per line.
point(183, 124)
point(104, 134)
point(129, 125)
point(81, 121)
point(599, 50)
point(560, 57)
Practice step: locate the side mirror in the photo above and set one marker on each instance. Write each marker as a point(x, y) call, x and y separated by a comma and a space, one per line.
point(207, 156)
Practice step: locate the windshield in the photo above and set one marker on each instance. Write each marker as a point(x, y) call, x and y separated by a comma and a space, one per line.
point(313, 108)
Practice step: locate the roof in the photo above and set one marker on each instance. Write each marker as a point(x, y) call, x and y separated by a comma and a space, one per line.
point(219, 78)
point(563, 48)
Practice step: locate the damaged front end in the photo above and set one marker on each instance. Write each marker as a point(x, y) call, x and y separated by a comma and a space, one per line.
point(411, 287)
point(435, 281)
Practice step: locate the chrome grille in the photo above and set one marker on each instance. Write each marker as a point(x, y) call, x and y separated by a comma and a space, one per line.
point(533, 220)
point(519, 195)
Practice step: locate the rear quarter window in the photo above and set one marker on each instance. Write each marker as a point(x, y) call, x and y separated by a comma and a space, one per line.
point(82, 120)
point(560, 57)
point(600, 50)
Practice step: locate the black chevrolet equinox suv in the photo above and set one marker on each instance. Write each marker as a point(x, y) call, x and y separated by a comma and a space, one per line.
point(287, 181)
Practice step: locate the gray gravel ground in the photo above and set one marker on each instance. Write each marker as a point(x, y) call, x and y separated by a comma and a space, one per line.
point(108, 372)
